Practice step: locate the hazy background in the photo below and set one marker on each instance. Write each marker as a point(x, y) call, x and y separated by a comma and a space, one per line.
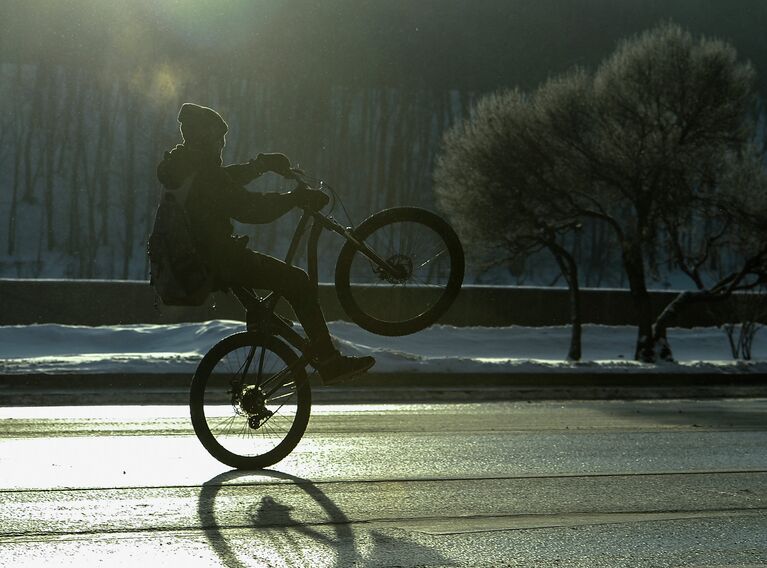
point(356, 92)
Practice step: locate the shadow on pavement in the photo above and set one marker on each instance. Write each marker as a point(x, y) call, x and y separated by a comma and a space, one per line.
point(291, 528)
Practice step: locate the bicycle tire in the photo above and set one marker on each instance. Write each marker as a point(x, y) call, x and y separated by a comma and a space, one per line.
point(400, 313)
point(232, 438)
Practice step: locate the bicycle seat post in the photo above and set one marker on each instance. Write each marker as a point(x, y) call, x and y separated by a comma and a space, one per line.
point(256, 309)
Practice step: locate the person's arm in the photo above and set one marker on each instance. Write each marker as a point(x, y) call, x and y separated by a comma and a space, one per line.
point(243, 174)
point(257, 208)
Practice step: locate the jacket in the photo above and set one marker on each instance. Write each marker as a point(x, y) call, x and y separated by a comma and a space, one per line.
point(215, 197)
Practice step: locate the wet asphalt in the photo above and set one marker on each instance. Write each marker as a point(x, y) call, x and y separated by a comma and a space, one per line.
point(663, 482)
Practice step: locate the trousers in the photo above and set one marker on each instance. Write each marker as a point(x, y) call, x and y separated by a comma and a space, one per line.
point(253, 269)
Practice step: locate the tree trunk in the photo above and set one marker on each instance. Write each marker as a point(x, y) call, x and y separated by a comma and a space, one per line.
point(34, 127)
point(634, 266)
point(393, 190)
point(661, 346)
point(569, 270)
point(11, 250)
point(717, 293)
point(49, 150)
point(381, 151)
point(129, 188)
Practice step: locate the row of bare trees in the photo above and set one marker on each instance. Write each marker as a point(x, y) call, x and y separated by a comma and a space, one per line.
point(661, 146)
point(78, 156)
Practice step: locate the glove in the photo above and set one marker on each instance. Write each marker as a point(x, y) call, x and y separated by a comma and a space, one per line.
point(277, 163)
point(312, 199)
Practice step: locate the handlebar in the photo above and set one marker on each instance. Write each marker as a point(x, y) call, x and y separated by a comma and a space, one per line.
point(303, 185)
point(296, 174)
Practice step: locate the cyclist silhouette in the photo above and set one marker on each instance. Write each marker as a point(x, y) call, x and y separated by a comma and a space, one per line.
point(216, 196)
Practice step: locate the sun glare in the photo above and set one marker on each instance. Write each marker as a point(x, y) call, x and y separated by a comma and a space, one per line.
point(165, 84)
point(212, 24)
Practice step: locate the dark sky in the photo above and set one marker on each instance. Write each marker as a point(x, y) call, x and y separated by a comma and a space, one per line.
point(477, 45)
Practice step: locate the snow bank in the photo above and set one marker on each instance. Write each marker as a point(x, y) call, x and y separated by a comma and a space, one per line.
point(54, 348)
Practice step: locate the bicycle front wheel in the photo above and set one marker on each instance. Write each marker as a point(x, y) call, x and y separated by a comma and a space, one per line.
point(404, 274)
point(250, 401)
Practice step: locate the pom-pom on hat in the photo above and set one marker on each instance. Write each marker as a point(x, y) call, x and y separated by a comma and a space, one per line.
point(199, 121)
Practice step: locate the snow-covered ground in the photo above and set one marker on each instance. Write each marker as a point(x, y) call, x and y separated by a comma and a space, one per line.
point(53, 348)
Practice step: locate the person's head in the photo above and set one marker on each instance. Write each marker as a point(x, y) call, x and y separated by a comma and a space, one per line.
point(202, 129)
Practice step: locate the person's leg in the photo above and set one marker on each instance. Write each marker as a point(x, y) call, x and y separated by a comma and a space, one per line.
point(262, 271)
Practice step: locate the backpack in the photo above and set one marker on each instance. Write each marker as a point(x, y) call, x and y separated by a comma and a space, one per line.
point(178, 273)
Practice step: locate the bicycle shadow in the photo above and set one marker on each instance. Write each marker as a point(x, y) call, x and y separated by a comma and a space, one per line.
point(281, 537)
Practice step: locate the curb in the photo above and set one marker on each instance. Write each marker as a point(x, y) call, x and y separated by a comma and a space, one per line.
point(131, 389)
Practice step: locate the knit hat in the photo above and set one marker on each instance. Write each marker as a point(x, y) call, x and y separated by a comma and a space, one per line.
point(200, 121)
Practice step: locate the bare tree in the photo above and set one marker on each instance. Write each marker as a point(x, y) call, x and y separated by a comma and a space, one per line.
point(669, 108)
point(750, 311)
point(735, 211)
point(504, 192)
point(632, 147)
point(656, 123)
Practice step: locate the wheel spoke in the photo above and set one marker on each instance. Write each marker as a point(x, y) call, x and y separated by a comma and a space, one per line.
point(426, 273)
point(427, 261)
point(240, 422)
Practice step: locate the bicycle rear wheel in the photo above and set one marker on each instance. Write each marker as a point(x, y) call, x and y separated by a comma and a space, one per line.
point(250, 400)
point(422, 275)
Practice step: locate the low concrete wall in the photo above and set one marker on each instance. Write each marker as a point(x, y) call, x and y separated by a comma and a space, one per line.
point(110, 302)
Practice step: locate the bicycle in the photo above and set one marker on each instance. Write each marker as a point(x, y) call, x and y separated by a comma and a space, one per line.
point(250, 398)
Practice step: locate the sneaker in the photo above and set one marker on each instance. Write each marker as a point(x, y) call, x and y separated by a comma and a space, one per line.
point(339, 368)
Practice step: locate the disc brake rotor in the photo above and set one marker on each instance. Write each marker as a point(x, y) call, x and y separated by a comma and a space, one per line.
point(252, 403)
point(402, 269)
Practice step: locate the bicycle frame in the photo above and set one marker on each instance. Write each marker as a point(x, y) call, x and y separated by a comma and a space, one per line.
point(265, 306)
point(321, 222)
point(260, 315)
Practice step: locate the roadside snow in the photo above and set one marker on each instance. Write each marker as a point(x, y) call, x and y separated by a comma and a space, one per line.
point(53, 348)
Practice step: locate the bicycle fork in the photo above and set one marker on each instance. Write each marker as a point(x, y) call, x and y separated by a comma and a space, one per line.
point(382, 265)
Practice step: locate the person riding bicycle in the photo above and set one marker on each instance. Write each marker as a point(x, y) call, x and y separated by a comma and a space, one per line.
point(216, 196)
